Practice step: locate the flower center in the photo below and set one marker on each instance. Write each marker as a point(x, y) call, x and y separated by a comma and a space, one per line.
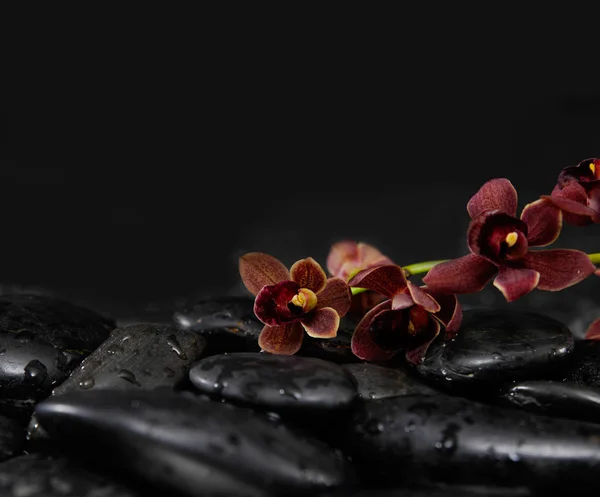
point(304, 301)
point(511, 238)
point(593, 168)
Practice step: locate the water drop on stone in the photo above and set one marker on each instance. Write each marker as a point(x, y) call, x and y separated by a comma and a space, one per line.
point(114, 349)
point(176, 347)
point(86, 384)
point(35, 372)
point(374, 426)
point(128, 376)
point(24, 336)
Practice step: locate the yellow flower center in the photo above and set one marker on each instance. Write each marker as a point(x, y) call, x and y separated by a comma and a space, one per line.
point(593, 168)
point(511, 238)
point(305, 299)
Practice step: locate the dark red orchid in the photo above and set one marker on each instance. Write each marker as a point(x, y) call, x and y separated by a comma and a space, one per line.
point(577, 193)
point(500, 242)
point(409, 319)
point(294, 301)
point(593, 332)
point(346, 258)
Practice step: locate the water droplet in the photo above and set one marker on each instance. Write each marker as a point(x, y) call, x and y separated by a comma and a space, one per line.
point(124, 339)
point(176, 347)
point(24, 336)
point(497, 356)
point(35, 372)
point(114, 349)
point(514, 456)
point(86, 384)
point(444, 372)
point(372, 395)
point(128, 376)
point(168, 372)
point(552, 354)
point(281, 391)
point(449, 441)
point(374, 426)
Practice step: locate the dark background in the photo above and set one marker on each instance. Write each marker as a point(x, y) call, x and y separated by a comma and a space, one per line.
point(134, 194)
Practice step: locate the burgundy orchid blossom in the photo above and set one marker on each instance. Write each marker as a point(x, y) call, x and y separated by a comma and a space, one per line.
point(577, 193)
point(346, 258)
point(410, 319)
point(294, 301)
point(499, 243)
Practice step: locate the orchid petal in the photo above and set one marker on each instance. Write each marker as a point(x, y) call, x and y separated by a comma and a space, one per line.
point(559, 268)
point(258, 270)
point(450, 313)
point(284, 340)
point(362, 343)
point(544, 222)
point(370, 256)
point(402, 301)
point(467, 274)
point(339, 254)
point(308, 273)
point(335, 294)
point(422, 298)
point(593, 332)
point(572, 199)
point(322, 323)
point(387, 280)
point(271, 303)
point(496, 194)
point(415, 355)
point(516, 282)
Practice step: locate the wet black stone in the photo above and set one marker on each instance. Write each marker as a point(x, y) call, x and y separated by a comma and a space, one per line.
point(379, 382)
point(456, 441)
point(439, 490)
point(228, 323)
point(275, 382)
point(12, 438)
point(494, 346)
point(192, 445)
point(584, 364)
point(37, 475)
point(555, 398)
point(42, 339)
point(337, 349)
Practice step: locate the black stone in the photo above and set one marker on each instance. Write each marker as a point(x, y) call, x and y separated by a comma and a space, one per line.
point(556, 398)
point(493, 346)
point(37, 475)
point(139, 356)
point(42, 339)
point(192, 445)
point(337, 349)
point(456, 441)
point(275, 382)
point(12, 438)
point(438, 490)
point(584, 365)
point(379, 382)
point(228, 323)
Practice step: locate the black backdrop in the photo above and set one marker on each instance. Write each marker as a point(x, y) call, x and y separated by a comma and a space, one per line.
point(133, 196)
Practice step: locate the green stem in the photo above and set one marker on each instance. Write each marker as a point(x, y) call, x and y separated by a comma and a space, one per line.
point(421, 267)
point(595, 258)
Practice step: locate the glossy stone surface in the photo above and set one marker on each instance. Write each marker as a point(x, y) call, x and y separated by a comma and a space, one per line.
point(190, 445)
point(37, 475)
point(453, 440)
point(556, 398)
point(42, 339)
point(378, 382)
point(584, 365)
point(275, 382)
point(495, 346)
point(337, 349)
point(12, 438)
point(227, 323)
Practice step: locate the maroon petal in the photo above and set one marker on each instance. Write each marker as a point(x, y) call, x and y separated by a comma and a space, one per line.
point(450, 313)
point(573, 201)
point(559, 268)
point(593, 332)
point(322, 323)
point(308, 274)
point(488, 236)
point(387, 280)
point(422, 298)
point(369, 256)
point(258, 270)
point(336, 294)
point(340, 255)
point(544, 222)
point(467, 274)
point(362, 343)
point(496, 194)
point(415, 355)
point(284, 340)
point(402, 301)
point(271, 303)
point(516, 282)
